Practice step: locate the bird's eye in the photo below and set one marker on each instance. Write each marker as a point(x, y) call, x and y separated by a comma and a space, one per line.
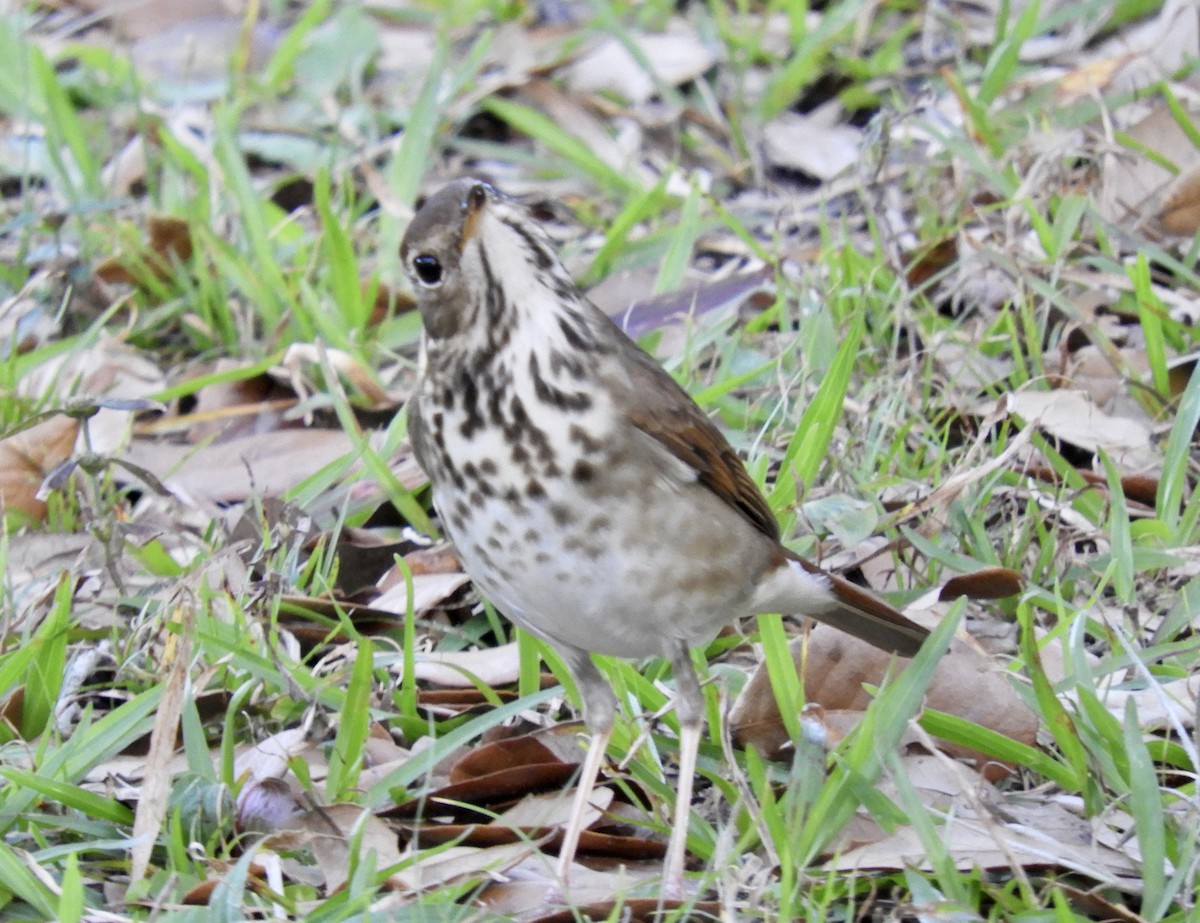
point(428, 269)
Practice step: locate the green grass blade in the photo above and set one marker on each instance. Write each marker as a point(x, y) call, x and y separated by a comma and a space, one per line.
point(1119, 538)
point(540, 127)
point(1145, 804)
point(346, 757)
point(1177, 458)
point(809, 445)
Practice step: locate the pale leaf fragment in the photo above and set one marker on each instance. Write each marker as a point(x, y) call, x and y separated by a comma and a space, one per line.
point(1072, 417)
point(332, 832)
point(811, 145)
point(152, 801)
point(496, 666)
point(429, 590)
point(675, 56)
point(1137, 189)
point(265, 463)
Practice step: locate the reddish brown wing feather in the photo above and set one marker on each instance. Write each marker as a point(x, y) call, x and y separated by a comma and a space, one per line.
point(665, 412)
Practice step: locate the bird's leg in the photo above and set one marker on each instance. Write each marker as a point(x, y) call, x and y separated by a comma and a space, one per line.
point(689, 706)
point(599, 707)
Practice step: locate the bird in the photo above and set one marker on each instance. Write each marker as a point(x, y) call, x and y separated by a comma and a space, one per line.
point(589, 497)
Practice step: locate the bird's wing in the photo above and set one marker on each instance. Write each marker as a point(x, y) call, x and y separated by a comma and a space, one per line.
point(668, 415)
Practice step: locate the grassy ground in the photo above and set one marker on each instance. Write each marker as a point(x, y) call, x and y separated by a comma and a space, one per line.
point(962, 338)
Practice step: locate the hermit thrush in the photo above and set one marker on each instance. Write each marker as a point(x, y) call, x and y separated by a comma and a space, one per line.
point(588, 495)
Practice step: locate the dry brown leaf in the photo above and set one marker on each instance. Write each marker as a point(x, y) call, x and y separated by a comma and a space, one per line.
point(333, 829)
point(1181, 209)
point(449, 703)
point(987, 583)
point(473, 799)
point(1073, 418)
point(138, 18)
point(1139, 488)
point(156, 788)
point(981, 828)
point(1136, 189)
point(523, 894)
point(110, 370)
point(526, 750)
point(263, 464)
point(1089, 79)
point(227, 409)
point(405, 48)
point(201, 894)
point(837, 668)
point(553, 809)
point(1103, 373)
point(170, 243)
point(27, 457)
point(362, 378)
point(460, 863)
point(1155, 49)
point(195, 56)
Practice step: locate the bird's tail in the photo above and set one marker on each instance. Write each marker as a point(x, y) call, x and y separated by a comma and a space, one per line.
point(861, 613)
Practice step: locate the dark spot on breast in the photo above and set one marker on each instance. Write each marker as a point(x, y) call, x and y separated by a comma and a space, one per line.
point(560, 362)
point(564, 289)
point(599, 523)
point(470, 397)
point(575, 333)
point(494, 543)
point(534, 490)
point(543, 557)
point(517, 410)
point(580, 436)
point(562, 514)
point(488, 467)
point(583, 472)
point(547, 393)
point(484, 556)
point(531, 536)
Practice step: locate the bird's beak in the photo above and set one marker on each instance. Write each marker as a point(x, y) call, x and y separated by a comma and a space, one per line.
point(476, 200)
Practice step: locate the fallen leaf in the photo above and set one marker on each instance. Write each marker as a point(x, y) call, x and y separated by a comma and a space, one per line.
point(170, 243)
point(811, 145)
point(1073, 418)
point(1136, 188)
point(674, 57)
point(837, 670)
point(27, 457)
